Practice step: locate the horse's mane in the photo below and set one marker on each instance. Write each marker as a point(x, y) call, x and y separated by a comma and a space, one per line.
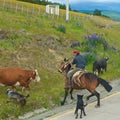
point(69, 67)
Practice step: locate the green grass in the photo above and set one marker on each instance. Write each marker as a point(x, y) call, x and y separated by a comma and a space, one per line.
point(33, 42)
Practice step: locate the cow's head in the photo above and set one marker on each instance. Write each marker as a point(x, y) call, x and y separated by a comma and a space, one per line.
point(35, 76)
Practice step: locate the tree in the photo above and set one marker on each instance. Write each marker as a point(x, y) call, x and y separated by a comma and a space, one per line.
point(97, 12)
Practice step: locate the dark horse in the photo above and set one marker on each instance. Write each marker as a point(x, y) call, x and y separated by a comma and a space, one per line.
point(87, 80)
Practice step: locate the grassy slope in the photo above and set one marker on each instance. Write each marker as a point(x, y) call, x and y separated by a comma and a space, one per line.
point(33, 42)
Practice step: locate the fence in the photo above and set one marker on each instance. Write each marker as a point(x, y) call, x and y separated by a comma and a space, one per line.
point(21, 7)
point(33, 9)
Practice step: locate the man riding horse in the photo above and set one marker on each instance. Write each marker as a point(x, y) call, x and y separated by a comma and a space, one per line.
point(79, 62)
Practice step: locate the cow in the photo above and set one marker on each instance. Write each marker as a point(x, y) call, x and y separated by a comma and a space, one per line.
point(18, 77)
point(99, 65)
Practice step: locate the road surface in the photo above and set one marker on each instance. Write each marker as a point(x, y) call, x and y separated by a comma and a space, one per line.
point(109, 110)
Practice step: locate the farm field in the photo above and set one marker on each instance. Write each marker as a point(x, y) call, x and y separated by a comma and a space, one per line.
point(32, 39)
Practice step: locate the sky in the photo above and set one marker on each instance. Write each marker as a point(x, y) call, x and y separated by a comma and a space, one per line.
point(113, 5)
point(78, 1)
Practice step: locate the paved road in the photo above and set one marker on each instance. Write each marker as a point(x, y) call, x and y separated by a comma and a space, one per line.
point(109, 110)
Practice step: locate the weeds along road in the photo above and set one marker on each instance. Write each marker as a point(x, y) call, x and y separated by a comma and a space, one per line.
point(109, 109)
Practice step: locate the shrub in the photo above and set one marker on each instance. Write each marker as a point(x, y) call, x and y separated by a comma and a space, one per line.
point(94, 41)
point(61, 28)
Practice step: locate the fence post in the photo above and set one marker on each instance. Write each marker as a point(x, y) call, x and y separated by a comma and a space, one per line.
point(33, 10)
point(39, 12)
point(16, 6)
point(11, 5)
point(4, 4)
point(22, 9)
point(27, 11)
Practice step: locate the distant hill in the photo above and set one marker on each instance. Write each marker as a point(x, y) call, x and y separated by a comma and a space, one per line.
point(111, 6)
point(112, 14)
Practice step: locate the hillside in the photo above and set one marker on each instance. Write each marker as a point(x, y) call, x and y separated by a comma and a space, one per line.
point(112, 14)
point(32, 39)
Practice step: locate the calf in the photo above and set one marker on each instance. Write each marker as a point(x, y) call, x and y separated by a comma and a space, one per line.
point(98, 66)
point(17, 77)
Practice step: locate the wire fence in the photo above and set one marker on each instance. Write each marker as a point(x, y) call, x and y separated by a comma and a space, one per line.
point(21, 7)
point(33, 9)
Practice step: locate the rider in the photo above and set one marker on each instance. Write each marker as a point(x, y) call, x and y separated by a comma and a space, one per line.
point(80, 64)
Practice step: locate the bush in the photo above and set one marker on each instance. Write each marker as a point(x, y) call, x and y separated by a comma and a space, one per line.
point(95, 40)
point(61, 28)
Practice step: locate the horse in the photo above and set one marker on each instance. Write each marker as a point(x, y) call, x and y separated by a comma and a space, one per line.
point(86, 80)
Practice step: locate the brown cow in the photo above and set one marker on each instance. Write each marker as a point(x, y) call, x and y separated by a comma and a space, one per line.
point(17, 77)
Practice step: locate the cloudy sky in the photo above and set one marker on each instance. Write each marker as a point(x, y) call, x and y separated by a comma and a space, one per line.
point(75, 1)
point(113, 5)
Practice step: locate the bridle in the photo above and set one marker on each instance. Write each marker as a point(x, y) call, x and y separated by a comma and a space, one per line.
point(64, 66)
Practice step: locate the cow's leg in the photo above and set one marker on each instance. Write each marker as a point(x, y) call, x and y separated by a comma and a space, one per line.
point(25, 87)
point(105, 68)
point(99, 71)
point(14, 88)
point(102, 70)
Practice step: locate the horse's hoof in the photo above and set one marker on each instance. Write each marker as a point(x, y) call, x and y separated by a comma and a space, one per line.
point(97, 106)
point(72, 98)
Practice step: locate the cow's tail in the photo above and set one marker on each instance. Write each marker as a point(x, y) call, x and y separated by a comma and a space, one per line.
point(105, 84)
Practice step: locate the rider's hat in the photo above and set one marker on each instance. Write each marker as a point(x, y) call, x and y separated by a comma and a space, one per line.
point(76, 51)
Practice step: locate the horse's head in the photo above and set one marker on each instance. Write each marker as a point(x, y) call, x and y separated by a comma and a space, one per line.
point(64, 66)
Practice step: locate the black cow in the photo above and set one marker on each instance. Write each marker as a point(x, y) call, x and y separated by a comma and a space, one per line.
point(98, 66)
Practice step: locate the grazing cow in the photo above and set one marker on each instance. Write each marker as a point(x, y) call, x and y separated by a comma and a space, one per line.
point(17, 77)
point(98, 66)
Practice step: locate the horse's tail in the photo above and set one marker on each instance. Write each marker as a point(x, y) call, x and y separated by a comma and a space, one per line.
point(105, 84)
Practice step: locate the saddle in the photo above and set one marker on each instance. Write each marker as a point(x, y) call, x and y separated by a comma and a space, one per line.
point(76, 77)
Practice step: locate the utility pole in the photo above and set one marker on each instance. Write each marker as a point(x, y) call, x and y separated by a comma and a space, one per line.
point(67, 10)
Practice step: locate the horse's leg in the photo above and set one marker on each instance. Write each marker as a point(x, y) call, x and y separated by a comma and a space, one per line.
point(66, 93)
point(71, 90)
point(98, 98)
point(95, 93)
point(88, 97)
